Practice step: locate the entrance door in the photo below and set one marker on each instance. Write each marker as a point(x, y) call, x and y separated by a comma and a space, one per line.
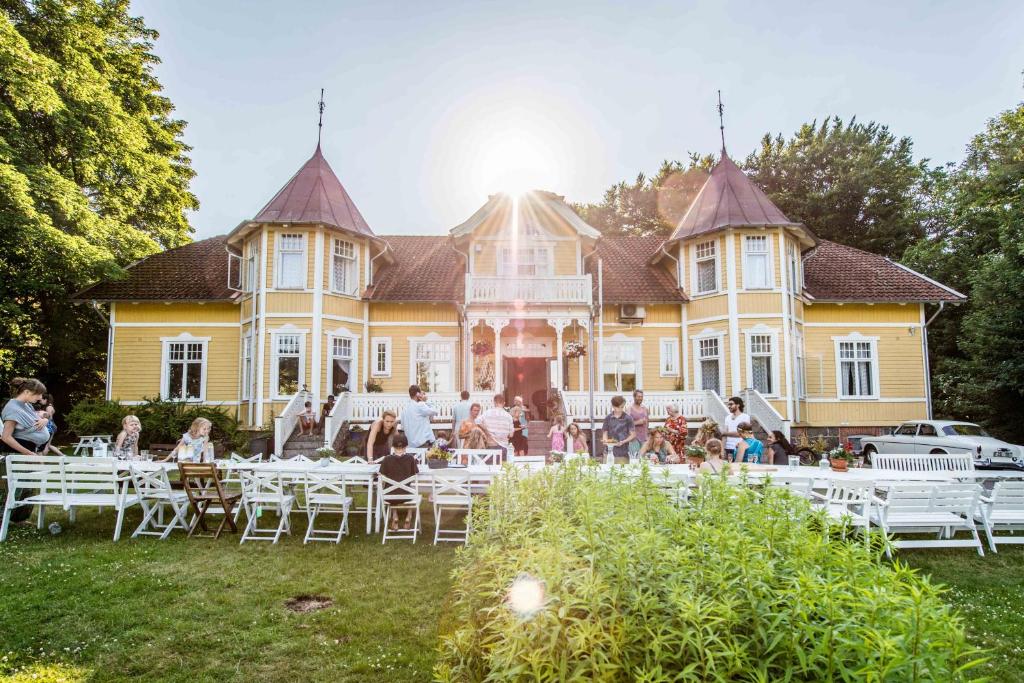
point(527, 377)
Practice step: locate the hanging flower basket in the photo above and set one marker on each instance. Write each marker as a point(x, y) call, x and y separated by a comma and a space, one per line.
point(482, 348)
point(575, 349)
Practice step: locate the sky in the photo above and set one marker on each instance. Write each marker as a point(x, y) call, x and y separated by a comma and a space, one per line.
point(433, 106)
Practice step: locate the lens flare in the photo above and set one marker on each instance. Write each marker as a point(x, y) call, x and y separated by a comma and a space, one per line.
point(526, 595)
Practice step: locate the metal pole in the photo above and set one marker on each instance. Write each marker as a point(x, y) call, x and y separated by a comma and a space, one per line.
point(590, 361)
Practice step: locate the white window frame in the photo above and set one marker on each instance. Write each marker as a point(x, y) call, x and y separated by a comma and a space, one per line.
point(343, 333)
point(697, 259)
point(434, 338)
point(855, 338)
point(275, 377)
point(796, 284)
point(698, 376)
point(353, 267)
point(249, 267)
point(247, 365)
point(504, 264)
point(165, 370)
point(376, 343)
point(767, 254)
point(800, 366)
point(280, 252)
point(773, 337)
point(668, 356)
point(613, 342)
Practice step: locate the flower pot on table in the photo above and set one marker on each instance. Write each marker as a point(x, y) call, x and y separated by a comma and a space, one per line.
point(839, 465)
point(437, 464)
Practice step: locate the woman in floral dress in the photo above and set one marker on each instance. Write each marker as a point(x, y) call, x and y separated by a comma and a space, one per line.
point(675, 425)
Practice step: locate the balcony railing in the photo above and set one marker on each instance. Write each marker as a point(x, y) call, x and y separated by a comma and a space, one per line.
point(569, 289)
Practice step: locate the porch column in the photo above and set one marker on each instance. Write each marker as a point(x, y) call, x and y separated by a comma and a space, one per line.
point(471, 324)
point(583, 324)
point(497, 324)
point(559, 324)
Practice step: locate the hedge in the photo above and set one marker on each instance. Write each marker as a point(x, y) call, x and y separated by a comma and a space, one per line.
point(742, 584)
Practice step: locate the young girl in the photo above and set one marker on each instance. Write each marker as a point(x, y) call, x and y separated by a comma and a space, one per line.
point(307, 419)
point(714, 463)
point(193, 442)
point(577, 442)
point(127, 444)
point(748, 449)
point(557, 434)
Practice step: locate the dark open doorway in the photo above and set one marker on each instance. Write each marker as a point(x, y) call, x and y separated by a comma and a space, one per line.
point(527, 377)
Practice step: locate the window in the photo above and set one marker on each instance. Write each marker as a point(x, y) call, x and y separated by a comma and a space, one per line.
point(249, 267)
point(963, 430)
point(761, 363)
point(906, 430)
point(795, 284)
point(184, 372)
point(619, 365)
point(432, 369)
point(380, 350)
point(707, 268)
point(344, 268)
point(342, 375)
point(709, 364)
point(246, 367)
point(288, 369)
point(757, 271)
point(801, 380)
point(857, 367)
point(926, 430)
point(291, 261)
point(669, 361)
point(525, 262)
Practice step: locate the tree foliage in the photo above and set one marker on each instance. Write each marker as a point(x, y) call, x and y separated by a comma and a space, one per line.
point(852, 183)
point(93, 175)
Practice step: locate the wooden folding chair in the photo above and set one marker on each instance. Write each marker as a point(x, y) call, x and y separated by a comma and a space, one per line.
point(204, 490)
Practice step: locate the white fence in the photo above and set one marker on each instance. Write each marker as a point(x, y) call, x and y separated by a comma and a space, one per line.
point(758, 407)
point(284, 424)
point(568, 289)
point(691, 404)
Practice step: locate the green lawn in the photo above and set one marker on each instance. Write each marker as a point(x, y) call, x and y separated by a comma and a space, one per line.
point(79, 607)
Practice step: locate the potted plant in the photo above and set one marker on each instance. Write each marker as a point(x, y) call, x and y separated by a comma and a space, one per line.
point(839, 458)
point(326, 452)
point(481, 348)
point(574, 349)
point(373, 386)
point(439, 455)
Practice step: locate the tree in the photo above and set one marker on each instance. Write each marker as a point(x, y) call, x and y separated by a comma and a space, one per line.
point(93, 175)
point(852, 183)
point(975, 245)
point(649, 206)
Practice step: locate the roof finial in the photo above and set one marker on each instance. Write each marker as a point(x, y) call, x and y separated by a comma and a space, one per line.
point(320, 125)
point(721, 120)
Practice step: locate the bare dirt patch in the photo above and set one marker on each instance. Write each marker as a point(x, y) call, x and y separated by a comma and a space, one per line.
point(307, 603)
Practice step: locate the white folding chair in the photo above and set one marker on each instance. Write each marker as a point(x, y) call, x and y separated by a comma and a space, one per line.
point(325, 493)
point(450, 490)
point(675, 486)
point(1002, 510)
point(797, 485)
point(848, 502)
point(399, 496)
point(265, 491)
point(155, 494)
point(921, 508)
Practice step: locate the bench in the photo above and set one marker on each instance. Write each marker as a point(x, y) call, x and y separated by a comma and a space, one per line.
point(944, 462)
point(68, 483)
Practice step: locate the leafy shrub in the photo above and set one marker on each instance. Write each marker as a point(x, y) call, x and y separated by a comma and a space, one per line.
point(739, 585)
point(162, 421)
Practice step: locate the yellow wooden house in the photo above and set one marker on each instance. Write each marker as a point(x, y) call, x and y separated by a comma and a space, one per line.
point(304, 300)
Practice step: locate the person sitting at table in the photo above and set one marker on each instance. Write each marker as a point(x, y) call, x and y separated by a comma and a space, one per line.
point(382, 432)
point(748, 449)
point(127, 444)
point(192, 444)
point(399, 466)
point(779, 448)
point(658, 448)
point(713, 464)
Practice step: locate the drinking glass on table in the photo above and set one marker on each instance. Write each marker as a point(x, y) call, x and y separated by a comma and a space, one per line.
point(794, 462)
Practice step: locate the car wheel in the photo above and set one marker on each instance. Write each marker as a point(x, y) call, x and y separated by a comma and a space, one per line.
point(808, 457)
point(869, 451)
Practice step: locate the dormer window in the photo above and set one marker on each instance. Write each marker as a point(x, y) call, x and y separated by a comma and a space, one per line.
point(525, 262)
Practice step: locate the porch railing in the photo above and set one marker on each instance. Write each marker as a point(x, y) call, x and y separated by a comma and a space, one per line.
point(714, 407)
point(569, 289)
point(365, 408)
point(764, 412)
point(284, 424)
point(689, 403)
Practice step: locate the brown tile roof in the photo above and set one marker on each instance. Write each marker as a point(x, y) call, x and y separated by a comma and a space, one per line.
point(728, 199)
point(424, 268)
point(314, 195)
point(836, 272)
point(629, 278)
point(194, 272)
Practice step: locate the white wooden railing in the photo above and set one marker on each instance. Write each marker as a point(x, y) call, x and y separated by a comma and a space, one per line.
point(690, 403)
point(758, 407)
point(336, 418)
point(955, 462)
point(284, 424)
point(568, 289)
point(714, 407)
point(363, 409)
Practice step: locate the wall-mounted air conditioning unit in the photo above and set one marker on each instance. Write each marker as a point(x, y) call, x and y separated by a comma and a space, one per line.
point(631, 313)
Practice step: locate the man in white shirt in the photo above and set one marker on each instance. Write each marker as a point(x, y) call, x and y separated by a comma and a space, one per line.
point(732, 421)
point(460, 413)
point(497, 422)
point(416, 419)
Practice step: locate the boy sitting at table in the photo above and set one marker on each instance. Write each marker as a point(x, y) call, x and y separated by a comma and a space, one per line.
point(399, 466)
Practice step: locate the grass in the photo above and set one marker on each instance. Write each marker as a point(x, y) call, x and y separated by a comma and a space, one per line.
point(78, 607)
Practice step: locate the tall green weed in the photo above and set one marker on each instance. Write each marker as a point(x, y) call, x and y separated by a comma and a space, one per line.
point(740, 585)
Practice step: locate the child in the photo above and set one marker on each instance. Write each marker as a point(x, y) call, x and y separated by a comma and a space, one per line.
point(307, 419)
point(127, 444)
point(325, 410)
point(557, 434)
point(399, 466)
point(193, 442)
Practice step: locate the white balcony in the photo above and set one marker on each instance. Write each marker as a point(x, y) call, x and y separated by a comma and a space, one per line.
point(568, 289)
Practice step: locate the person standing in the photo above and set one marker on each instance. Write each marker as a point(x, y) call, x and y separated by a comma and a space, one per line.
point(416, 419)
point(520, 426)
point(382, 432)
point(617, 428)
point(325, 410)
point(733, 420)
point(677, 429)
point(497, 423)
point(460, 413)
point(641, 418)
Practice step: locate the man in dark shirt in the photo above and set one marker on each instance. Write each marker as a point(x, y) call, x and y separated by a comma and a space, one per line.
point(618, 428)
point(399, 466)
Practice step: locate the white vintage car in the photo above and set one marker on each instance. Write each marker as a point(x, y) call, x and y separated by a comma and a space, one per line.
point(946, 436)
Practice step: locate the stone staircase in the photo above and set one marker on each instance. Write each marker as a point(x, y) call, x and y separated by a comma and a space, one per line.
point(539, 441)
point(305, 445)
